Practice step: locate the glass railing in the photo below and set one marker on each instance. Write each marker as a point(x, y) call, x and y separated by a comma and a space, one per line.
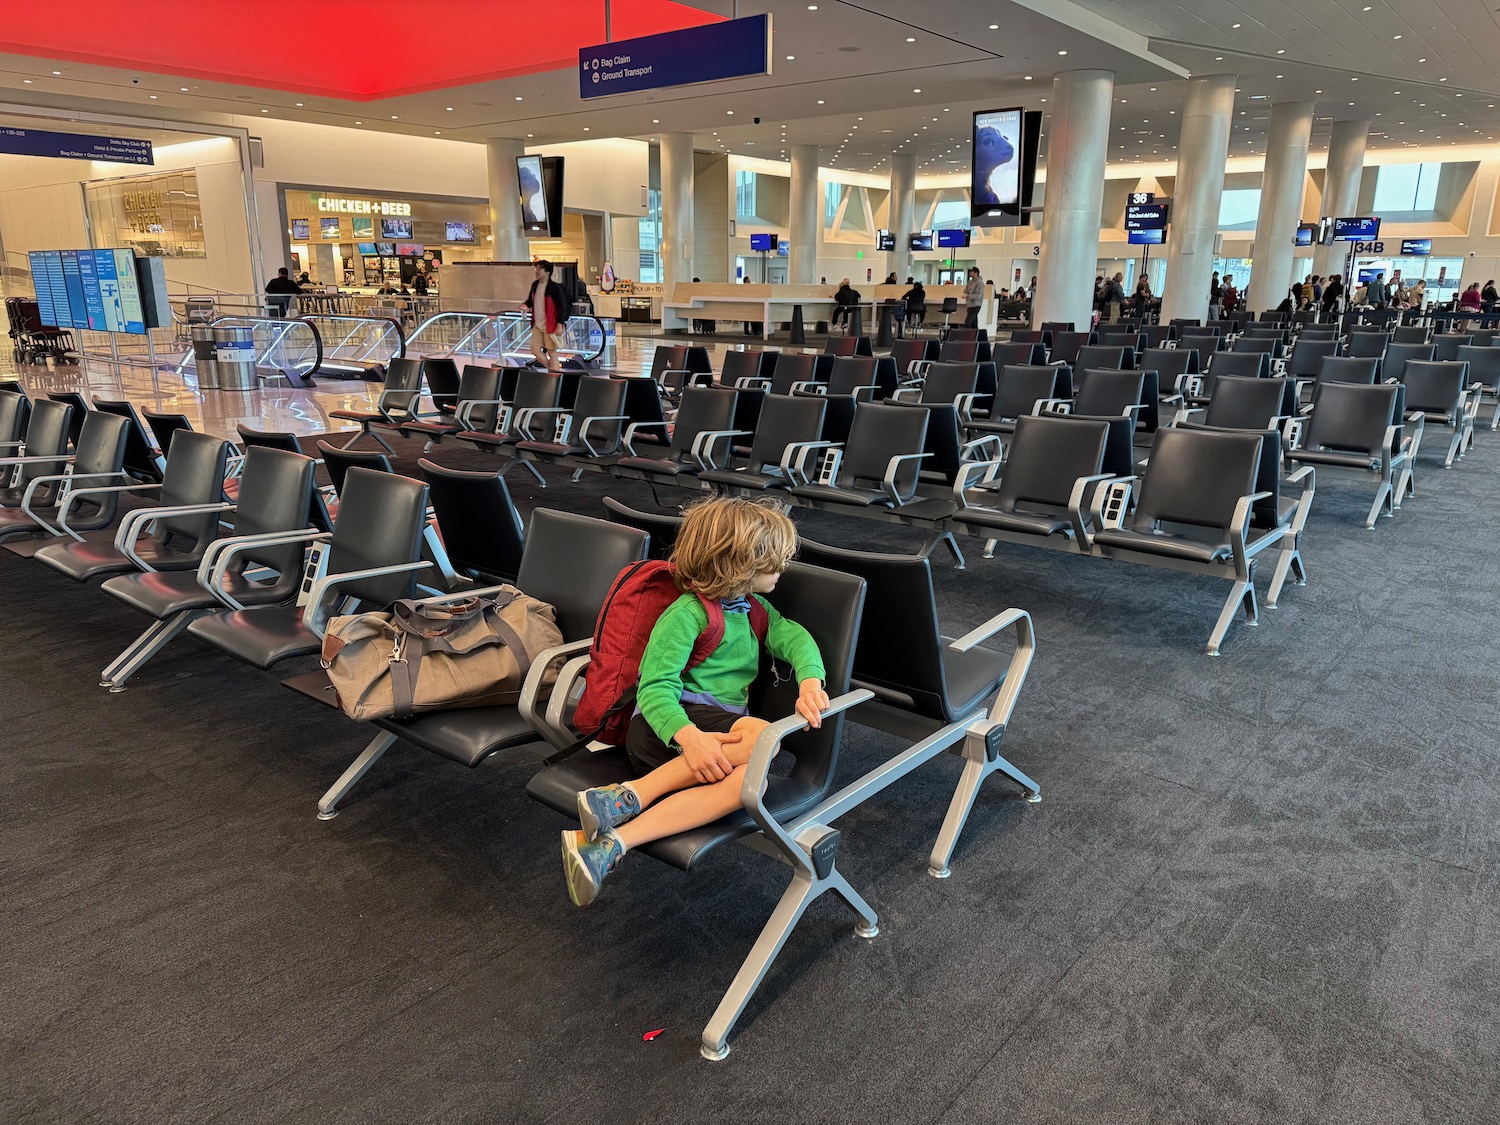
point(499, 338)
point(353, 344)
point(282, 347)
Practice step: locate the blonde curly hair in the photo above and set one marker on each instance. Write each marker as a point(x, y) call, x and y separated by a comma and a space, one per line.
point(724, 544)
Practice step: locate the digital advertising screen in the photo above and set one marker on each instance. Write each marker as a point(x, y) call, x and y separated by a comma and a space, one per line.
point(362, 227)
point(1307, 234)
point(386, 248)
point(366, 248)
point(921, 240)
point(1364, 229)
point(885, 240)
point(329, 228)
point(533, 195)
point(459, 232)
point(995, 168)
point(301, 230)
point(1416, 247)
point(1147, 237)
point(955, 238)
point(763, 242)
point(1368, 275)
point(409, 249)
point(395, 228)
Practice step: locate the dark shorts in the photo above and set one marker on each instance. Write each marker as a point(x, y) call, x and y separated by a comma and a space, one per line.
point(647, 750)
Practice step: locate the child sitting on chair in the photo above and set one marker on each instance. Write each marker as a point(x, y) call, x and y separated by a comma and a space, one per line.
point(693, 735)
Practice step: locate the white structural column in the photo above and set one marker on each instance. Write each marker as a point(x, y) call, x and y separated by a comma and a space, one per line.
point(1346, 163)
point(676, 209)
point(510, 243)
point(1196, 197)
point(903, 203)
point(805, 216)
point(1281, 190)
point(1077, 146)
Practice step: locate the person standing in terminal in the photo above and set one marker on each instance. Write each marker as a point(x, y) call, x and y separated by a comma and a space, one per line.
point(548, 306)
point(1332, 293)
point(1489, 295)
point(844, 300)
point(973, 298)
point(1114, 297)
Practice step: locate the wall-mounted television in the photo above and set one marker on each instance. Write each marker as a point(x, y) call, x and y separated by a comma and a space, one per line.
point(1307, 234)
point(362, 227)
point(783, 249)
point(919, 240)
point(1416, 247)
point(1368, 275)
point(954, 237)
point(459, 232)
point(885, 240)
point(534, 211)
point(93, 289)
point(366, 248)
point(329, 228)
point(395, 228)
point(301, 230)
point(1002, 166)
point(409, 249)
point(1363, 229)
point(1156, 237)
point(386, 248)
point(764, 241)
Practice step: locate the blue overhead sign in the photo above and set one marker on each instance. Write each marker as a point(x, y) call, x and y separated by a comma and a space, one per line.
point(74, 146)
point(731, 49)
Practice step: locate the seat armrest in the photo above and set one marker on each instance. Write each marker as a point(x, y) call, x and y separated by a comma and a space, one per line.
point(583, 431)
point(965, 406)
point(1075, 506)
point(217, 557)
point(524, 418)
point(1239, 524)
point(975, 474)
point(1185, 413)
point(986, 448)
point(552, 725)
point(752, 383)
point(133, 523)
point(702, 452)
point(767, 746)
point(634, 428)
point(410, 398)
point(998, 716)
point(908, 393)
point(1308, 479)
point(67, 479)
point(315, 614)
point(794, 458)
point(464, 414)
point(1052, 406)
point(1096, 509)
point(864, 393)
point(888, 481)
point(809, 387)
point(41, 458)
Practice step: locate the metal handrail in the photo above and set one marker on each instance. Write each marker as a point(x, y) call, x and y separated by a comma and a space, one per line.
point(272, 348)
point(499, 336)
point(360, 340)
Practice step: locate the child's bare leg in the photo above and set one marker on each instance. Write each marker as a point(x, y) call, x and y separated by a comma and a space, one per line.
point(691, 807)
point(670, 777)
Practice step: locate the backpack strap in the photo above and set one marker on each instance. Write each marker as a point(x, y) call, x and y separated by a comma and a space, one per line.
point(712, 635)
point(760, 620)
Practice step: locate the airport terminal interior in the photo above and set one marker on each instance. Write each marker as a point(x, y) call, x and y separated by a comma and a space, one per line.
point(1129, 372)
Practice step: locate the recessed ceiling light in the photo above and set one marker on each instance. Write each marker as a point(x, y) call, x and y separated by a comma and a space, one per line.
point(299, 105)
point(180, 89)
point(812, 7)
point(449, 108)
point(359, 122)
point(437, 132)
point(585, 128)
point(909, 39)
point(1218, 58)
point(656, 121)
point(265, 111)
point(1442, 80)
point(1028, 78)
point(531, 134)
point(1421, 60)
point(57, 74)
point(1062, 52)
point(820, 101)
point(1234, 25)
point(27, 82)
point(918, 90)
point(394, 117)
point(791, 58)
point(519, 98)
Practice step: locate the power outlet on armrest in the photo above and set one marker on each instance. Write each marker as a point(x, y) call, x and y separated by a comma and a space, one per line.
point(563, 429)
point(1116, 496)
point(828, 466)
point(1293, 433)
point(310, 572)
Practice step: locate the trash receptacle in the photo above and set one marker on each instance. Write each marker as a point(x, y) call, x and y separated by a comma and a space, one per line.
point(235, 352)
point(607, 353)
point(205, 359)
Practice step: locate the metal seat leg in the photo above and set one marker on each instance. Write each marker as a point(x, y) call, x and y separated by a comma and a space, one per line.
point(327, 809)
point(144, 647)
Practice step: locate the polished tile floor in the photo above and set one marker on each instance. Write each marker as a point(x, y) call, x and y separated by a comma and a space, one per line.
point(267, 408)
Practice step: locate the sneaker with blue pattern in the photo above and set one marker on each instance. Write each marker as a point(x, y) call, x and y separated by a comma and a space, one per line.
point(587, 862)
point(606, 807)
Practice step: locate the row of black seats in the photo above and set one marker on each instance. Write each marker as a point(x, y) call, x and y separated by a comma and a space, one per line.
point(257, 579)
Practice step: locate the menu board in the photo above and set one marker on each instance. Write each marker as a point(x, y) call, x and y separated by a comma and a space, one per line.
point(93, 289)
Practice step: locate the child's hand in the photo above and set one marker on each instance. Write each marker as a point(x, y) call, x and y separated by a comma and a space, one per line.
point(812, 702)
point(704, 754)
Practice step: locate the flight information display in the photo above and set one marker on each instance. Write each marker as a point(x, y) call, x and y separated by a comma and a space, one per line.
point(93, 289)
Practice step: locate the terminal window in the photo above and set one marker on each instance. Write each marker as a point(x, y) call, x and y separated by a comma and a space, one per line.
point(1406, 187)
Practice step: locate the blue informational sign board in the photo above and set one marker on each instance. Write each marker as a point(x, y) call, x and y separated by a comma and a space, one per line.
point(1145, 216)
point(1364, 228)
point(93, 289)
point(74, 146)
point(731, 49)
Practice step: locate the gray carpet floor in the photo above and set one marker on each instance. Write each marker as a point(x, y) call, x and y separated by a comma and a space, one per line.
point(1260, 888)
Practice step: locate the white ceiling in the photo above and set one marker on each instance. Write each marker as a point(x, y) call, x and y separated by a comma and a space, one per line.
point(853, 66)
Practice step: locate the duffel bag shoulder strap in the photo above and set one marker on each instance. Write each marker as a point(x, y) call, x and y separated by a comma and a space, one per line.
point(421, 629)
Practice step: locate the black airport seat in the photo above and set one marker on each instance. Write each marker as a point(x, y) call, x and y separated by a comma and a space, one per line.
point(785, 421)
point(183, 523)
point(1484, 373)
point(1023, 390)
point(397, 402)
point(42, 453)
point(95, 477)
point(481, 529)
point(592, 429)
point(1437, 393)
point(1201, 485)
point(143, 460)
point(1018, 354)
point(1307, 355)
point(781, 811)
point(275, 494)
point(1102, 392)
point(879, 465)
point(339, 461)
point(372, 556)
point(1066, 346)
point(475, 406)
point(1202, 342)
point(1357, 426)
point(748, 368)
point(662, 527)
point(1397, 356)
point(15, 413)
point(1412, 334)
point(1105, 355)
point(1368, 344)
point(1241, 402)
point(569, 562)
point(1448, 343)
point(81, 411)
point(701, 438)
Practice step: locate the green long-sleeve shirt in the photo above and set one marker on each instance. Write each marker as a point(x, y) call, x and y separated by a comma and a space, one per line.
point(726, 675)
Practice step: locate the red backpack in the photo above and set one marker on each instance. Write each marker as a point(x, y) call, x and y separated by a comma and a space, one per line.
point(638, 596)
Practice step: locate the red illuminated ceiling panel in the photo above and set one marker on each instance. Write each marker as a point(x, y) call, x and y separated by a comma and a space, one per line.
point(357, 50)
